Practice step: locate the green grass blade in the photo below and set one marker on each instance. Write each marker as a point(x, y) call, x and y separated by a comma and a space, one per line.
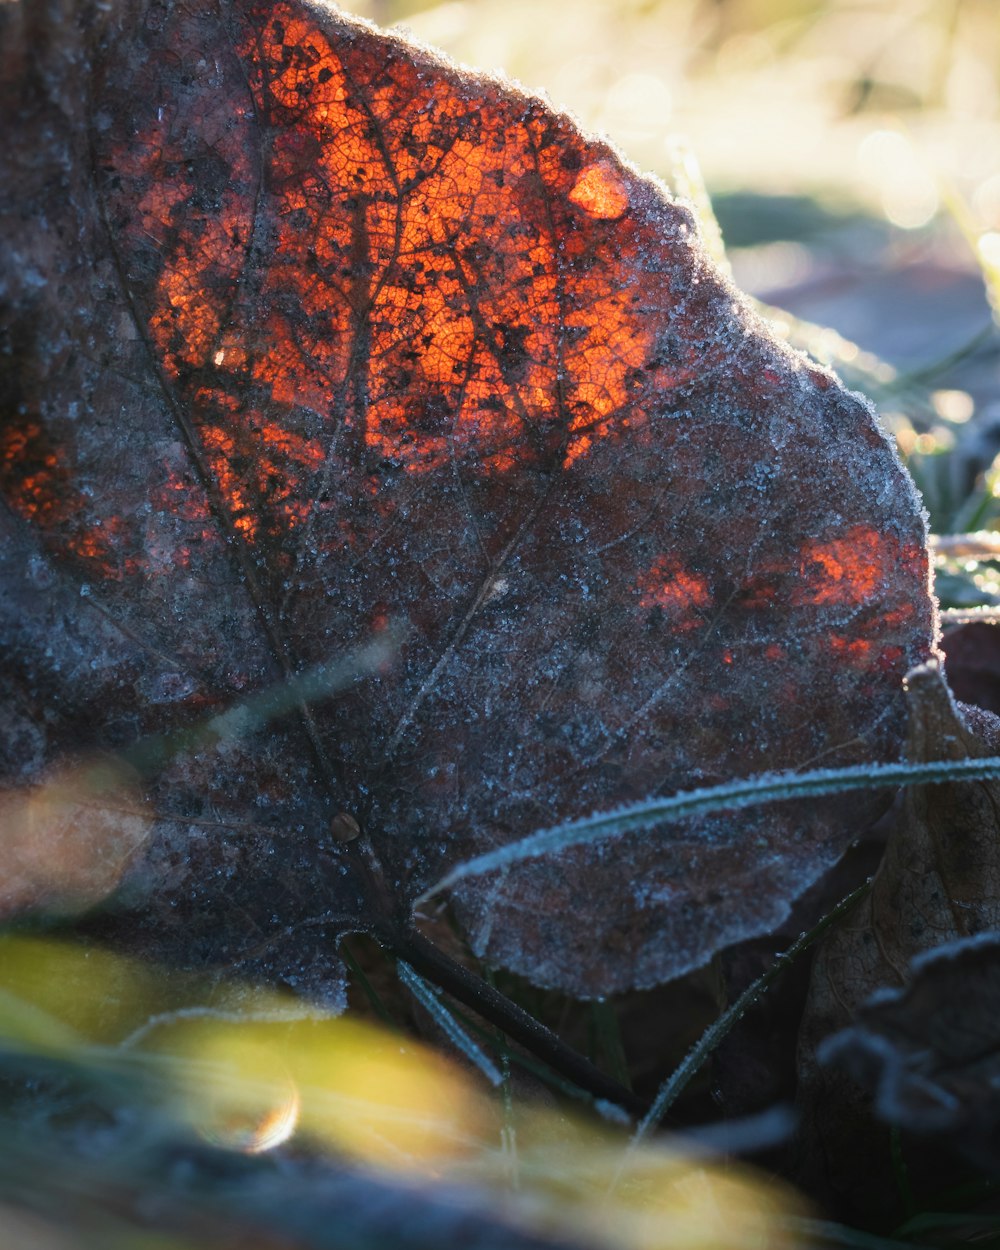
point(828, 1233)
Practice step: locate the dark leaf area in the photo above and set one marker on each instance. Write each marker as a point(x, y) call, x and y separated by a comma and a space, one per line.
point(310, 336)
point(973, 659)
point(930, 1052)
point(937, 888)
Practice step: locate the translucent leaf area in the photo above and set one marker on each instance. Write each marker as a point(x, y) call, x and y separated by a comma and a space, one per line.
point(385, 346)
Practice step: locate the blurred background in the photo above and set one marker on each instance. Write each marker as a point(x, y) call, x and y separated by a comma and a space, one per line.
point(850, 150)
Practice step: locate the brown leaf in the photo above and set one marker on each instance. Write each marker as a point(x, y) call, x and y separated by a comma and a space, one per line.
point(938, 883)
point(972, 659)
point(310, 332)
point(930, 1053)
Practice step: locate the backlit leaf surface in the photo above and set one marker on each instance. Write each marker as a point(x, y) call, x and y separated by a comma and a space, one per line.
point(314, 334)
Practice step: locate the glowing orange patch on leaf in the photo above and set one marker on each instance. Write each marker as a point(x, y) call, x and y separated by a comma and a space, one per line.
point(857, 651)
point(599, 191)
point(845, 570)
point(683, 594)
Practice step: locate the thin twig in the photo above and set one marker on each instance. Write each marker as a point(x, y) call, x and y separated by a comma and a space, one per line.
point(982, 545)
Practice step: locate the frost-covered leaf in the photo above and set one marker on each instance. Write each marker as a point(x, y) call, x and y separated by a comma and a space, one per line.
point(310, 333)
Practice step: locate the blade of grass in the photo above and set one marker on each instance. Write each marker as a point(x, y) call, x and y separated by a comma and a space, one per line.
point(928, 1221)
point(826, 1232)
point(546, 1074)
point(508, 1129)
point(971, 514)
point(427, 996)
point(519, 1025)
point(927, 374)
point(973, 234)
point(258, 709)
point(900, 1172)
point(608, 1037)
point(368, 989)
point(730, 796)
point(674, 1085)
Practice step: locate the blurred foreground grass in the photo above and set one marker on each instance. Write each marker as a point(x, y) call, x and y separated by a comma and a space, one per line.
point(140, 1108)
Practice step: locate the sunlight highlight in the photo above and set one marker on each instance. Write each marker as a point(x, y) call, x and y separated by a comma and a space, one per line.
point(600, 192)
point(893, 167)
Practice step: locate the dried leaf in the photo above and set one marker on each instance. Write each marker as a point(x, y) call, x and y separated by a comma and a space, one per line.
point(309, 333)
point(938, 883)
point(930, 1053)
point(972, 658)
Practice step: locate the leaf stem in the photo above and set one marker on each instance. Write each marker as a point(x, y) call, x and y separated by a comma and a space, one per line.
point(430, 1000)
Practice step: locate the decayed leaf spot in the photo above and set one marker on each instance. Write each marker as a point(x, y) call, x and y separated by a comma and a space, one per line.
point(846, 570)
point(332, 335)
